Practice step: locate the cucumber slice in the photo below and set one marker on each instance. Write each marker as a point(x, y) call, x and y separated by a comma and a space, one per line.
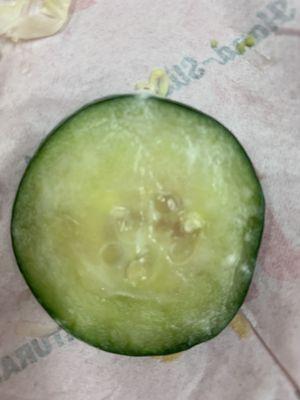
point(137, 225)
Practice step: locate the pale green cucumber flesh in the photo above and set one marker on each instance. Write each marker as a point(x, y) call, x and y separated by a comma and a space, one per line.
point(137, 225)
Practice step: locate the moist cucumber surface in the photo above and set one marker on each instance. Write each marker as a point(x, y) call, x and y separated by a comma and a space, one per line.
point(137, 225)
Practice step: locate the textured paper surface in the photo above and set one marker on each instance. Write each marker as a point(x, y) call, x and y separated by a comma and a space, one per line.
point(106, 48)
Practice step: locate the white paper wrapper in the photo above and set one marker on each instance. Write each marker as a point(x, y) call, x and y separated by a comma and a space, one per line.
point(105, 49)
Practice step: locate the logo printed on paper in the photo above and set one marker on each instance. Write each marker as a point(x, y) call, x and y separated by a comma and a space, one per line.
point(189, 69)
point(31, 352)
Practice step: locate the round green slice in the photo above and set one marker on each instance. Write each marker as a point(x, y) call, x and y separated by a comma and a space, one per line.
point(137, 225)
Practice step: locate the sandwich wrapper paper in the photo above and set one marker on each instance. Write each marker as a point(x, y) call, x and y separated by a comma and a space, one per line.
point(106, 48)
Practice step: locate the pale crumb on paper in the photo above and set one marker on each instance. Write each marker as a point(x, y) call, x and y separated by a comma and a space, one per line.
point(249, 41)
point(19, 22)
point(168, 358)
point(34, 329)
point(241, 47)
point(158, 83)
point(214, 43)
point(241, 326)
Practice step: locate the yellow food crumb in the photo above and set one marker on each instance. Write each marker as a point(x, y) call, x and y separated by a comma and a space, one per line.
point(214, 43)
point(158, 83)
point(249, 41)
point(241, 326)
point(241, 47)
point(168, 358)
